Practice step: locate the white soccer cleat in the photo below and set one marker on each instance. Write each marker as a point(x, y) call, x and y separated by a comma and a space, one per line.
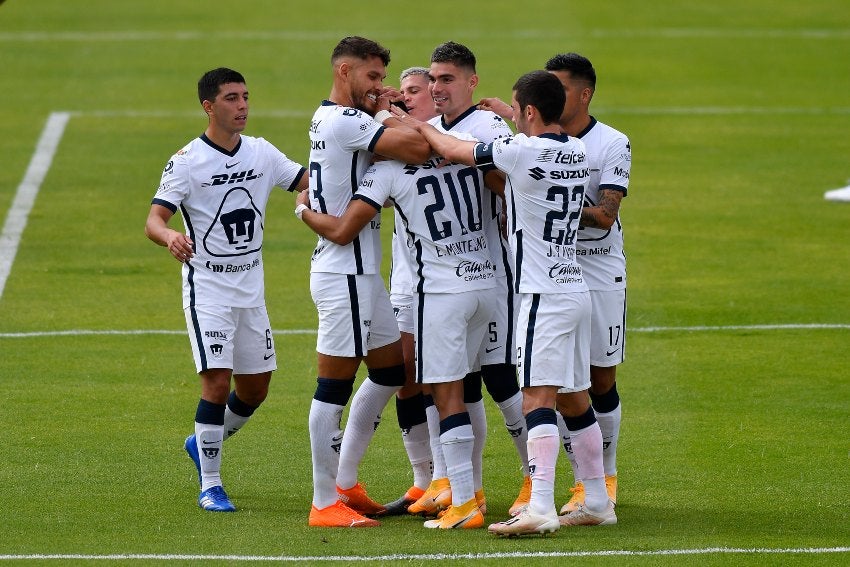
point(842, 194)
point(584, 517)
point(527, 523)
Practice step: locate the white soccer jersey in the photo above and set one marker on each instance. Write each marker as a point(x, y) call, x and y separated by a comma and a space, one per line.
point(341, 143)
point(600, 252)
point(222, 197)
point(546, 176)
point(485, 126)
point(441, 211)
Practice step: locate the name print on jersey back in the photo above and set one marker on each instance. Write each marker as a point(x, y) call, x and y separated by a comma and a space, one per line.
point(441, 209)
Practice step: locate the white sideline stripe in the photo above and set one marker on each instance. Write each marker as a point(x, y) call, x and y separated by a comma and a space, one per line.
point(16, 218)
point(387, 35)
point(693, 329)
point(435, 556)
point(634, 110)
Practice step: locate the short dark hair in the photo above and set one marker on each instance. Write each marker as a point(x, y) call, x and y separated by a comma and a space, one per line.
point(578, 66)
point(455, 53)
point(210, 83)
point(543, 91)
point(360, 47)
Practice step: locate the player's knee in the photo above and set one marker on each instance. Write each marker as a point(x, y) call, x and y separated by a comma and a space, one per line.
point(472, 388)
point(333, 391)
point(500, 380)
point(411, 411)
point(392, 376)
point(605, 402)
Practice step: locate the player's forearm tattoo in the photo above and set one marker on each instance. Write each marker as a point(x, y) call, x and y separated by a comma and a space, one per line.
point(605, 212)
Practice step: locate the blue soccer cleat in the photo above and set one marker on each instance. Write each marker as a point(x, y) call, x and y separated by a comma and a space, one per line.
point(215, 500)
point(191, 446)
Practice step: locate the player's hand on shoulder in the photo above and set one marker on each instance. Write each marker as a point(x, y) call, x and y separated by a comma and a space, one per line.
point(494, 104)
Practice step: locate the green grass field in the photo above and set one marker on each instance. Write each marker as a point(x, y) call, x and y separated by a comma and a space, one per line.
point(735, 443)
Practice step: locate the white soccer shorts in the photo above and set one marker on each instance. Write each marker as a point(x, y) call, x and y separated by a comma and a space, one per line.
point(231, 337)
point(608, 327)
point(355, 314)
point(450, 328)
point(553, 340)
point(403, 309)
point(500, 343)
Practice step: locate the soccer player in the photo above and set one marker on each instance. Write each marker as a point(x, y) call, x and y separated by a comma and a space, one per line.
point(221, 183)
point(600, 252)
point(356, 321)
point(410, 402)
point(441, 207)
point(546, 170)
point(454, 81)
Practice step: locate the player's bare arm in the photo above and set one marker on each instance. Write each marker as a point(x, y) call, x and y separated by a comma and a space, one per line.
point(494, 180)
point(303, 184)
point(339, 230)
point(157, 229)
point(451, 148)
point(605, 212)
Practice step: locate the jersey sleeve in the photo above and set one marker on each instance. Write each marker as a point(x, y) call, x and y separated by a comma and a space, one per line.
point(617, 165)
point(376, 186)
point(500, 154)
point(355, 130)
point(174, 183)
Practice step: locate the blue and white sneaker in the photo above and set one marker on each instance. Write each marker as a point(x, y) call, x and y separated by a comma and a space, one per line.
point(191, 446)
point(215, 500)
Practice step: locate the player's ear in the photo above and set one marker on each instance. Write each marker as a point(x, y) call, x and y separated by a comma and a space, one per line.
point(473, 81)
point(344, 69)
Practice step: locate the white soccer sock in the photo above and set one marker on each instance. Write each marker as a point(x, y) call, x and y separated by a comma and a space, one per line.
point(233, 422)
point(363, 419)
point(457, 445)
point(515, 424)
point(609, 424)
point(325, 443)
point(587, 446)
point(478, 417)
point(417, 444)
point(543, 447)
point(209, 438)
point(433, 417)
point(568, 449)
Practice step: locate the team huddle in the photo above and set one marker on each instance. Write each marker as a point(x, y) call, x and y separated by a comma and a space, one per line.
point(508, 272)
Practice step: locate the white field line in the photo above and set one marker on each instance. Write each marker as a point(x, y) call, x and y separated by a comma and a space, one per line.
point(601, 110)
point(388, 35)
point(434, 556)
point(16, 218)
point(691, 329)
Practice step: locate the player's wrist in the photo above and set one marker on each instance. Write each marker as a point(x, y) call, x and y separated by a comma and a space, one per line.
point(299, 210)
point(382, 115)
